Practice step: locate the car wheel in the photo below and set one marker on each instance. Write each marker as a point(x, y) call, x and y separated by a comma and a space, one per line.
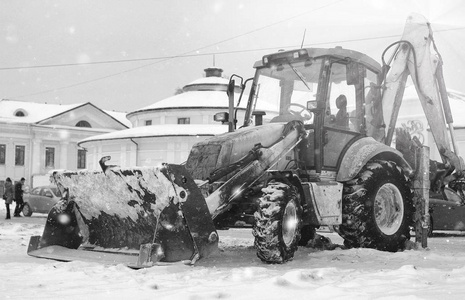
point(27, 211)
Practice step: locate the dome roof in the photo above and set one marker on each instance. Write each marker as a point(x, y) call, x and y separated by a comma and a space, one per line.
point(204, 93)
point(209, 80)
point(191, 99)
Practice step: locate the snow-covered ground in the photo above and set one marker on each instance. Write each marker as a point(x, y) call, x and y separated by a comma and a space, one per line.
point(236, 273)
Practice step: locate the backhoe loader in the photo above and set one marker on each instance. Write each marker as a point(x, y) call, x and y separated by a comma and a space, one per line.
point(323, 156)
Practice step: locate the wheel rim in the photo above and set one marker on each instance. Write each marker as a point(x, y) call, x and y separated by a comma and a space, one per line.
point(26, 210)
point(290, 222)
point(389, 209)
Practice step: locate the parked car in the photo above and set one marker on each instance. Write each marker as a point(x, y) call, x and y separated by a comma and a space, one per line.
point(447, 212)
point(40, 200)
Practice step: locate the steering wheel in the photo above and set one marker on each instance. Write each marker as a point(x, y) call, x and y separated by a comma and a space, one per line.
point(304, 113)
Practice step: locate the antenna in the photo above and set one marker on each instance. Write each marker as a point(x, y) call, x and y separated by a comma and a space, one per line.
point(303, 39)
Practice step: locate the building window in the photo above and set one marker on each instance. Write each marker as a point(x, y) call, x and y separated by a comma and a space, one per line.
point(2, 154)
point(81, 159)
point(19, 155)
point(148, 122)
point(20, 113)
point(83, 124)
point(49, 157)
point(184, 120)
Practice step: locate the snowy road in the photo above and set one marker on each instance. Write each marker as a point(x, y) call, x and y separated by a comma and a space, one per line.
point(238, 244)
point(236, 273)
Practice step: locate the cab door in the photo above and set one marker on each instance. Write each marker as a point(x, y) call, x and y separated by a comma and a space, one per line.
point(345, 110)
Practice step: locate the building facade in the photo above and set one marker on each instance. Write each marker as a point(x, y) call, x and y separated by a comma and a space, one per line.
point(165, 131)
point(36, 137)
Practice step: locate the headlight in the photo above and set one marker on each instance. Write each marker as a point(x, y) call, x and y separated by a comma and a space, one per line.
point(64, 219)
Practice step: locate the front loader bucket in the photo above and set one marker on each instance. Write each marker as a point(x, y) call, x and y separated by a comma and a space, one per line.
point(140, 215)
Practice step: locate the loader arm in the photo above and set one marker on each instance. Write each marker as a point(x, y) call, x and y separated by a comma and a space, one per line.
point(247, 174)
point(415, 57)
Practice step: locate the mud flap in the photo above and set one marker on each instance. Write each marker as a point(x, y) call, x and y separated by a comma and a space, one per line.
point(130, 210)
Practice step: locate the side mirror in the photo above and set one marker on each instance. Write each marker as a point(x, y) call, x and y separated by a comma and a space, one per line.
point(312, 105)
point(222, 117)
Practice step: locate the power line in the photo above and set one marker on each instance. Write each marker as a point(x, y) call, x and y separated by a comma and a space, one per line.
point(185, 53)
point(200, 54)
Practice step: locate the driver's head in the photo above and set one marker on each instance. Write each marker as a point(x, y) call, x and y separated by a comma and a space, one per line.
point(341, 101)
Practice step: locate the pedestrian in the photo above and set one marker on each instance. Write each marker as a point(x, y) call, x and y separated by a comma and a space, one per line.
point(8, 196)
point(19, 197)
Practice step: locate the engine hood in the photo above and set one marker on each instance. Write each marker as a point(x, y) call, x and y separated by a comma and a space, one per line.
point(226, 148)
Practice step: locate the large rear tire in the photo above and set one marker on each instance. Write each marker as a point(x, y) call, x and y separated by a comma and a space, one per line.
point(277, 223)
point(377, 208)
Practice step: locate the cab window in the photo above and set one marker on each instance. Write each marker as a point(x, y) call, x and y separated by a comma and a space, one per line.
point(286, 88)
point(341, 108)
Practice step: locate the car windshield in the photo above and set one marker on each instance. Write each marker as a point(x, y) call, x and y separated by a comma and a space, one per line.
point(287, 87)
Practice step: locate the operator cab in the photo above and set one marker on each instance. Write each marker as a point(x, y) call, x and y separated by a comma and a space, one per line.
point(334, 92)
point(298, 84)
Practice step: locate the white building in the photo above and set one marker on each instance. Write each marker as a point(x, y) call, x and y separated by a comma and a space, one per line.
point(166, 130)
point(37, 137)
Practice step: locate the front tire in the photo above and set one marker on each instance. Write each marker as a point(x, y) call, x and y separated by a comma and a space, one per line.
point(377, 208)
point(277, 223)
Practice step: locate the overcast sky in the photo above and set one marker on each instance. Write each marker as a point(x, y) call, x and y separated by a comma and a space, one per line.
point(153, 47)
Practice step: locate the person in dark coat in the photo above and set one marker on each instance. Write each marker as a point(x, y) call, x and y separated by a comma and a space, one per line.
point(8, 196)
point(19, 197)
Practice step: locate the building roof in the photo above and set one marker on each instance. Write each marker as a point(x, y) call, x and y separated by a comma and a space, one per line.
point(192, 99)
point(159, 131)
point(35, 113)
point(120, 116)
point(204, 93)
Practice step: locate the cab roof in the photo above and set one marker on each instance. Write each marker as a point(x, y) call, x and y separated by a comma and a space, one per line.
point(337, 52)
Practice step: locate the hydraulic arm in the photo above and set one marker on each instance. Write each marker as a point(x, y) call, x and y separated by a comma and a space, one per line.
point(414, 56)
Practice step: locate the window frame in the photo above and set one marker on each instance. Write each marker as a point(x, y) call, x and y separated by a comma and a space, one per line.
point(2, 154)
point(184, 121)
point(20, 155)
point(83, 124)
point(50, 157)
point(81, 159)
